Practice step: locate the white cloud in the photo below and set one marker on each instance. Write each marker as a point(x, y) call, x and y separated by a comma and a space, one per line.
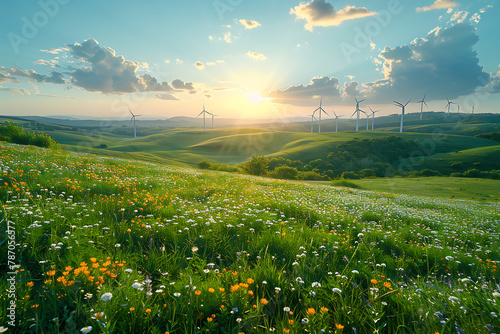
point(227, 37)
point(15, 90)
point(444, 63)
point(319, 13)
point(483, 10)
point(227, 26)
point(439, 4)
point(55, 51)
point(249, 24)
point(474, 19)
point(52, 63)
point(459, 16)
point(210, 38)
point(10, 74)
point(166, 61)
point(109, 73)
point(256, 56)
point(178, 61)
point(220, 61)
point(199, 65)
point(300, 95)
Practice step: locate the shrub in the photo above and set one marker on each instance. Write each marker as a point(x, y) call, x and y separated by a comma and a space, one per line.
point(204, 164)
point(350, 175)
point(311, 176)
point(257, 165)
point(457, 165)
point(285, 172)
point(13, 133)
point(472, 173)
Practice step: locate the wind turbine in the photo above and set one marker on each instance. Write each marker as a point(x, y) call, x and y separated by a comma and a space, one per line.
point(473, 107)
point(402, 112)
point(336, 120)
point(133, 119)
point(448, 105)
point(357, 111)
point(367, 120)
point(422, 105)
point(213, 119)
point(373, 116)
point(312, 121)
point(459, 108)
point(320, 109)
point(204, 112)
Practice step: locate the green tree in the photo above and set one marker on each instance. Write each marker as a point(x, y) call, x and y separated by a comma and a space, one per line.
point(257, 165)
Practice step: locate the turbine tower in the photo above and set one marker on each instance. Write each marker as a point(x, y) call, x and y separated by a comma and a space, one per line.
point(204, 113)
point(402, 113)
point(213, 119)
point(357, 111)
point(458, 108)
point(312, 122)
point(373, 117)
point(422, 105)
point(336, 120)
point(320, 109)
point(473, 107)
point(133, 119)
point(448, 105)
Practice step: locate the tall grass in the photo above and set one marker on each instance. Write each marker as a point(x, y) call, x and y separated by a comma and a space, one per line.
point(126, 247)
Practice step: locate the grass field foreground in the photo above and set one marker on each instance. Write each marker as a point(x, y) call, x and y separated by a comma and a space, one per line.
point(106, 245)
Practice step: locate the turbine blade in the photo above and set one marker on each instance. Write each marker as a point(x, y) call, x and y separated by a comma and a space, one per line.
point(354, 113)
point(130, 112)
point(407, 102)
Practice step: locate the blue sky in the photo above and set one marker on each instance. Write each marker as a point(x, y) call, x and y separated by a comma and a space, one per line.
point(246, 58)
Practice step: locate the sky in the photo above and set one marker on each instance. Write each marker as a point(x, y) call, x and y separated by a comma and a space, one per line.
point(247, 59)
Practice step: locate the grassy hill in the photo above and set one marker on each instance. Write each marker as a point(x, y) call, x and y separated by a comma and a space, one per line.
point(117, 246)
point(187, 147)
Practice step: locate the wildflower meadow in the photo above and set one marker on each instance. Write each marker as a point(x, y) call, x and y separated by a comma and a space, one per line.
point(103, 245)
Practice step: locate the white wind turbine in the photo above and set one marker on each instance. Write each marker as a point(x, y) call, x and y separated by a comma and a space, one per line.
point(336, 120)
point(473, 107)
point(448, 105)
point(373, 117)
point(133, 119)
point(204, 113)
point(357, 111)
point(422, 105)
point(213, 119)
point(458, 108)
point(320, 109)
point(403, 106)
point(312, 122)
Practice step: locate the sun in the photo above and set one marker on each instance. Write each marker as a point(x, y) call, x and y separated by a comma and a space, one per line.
point(254, 98)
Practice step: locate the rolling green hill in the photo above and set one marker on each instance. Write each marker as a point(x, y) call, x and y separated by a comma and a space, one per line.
point(438, 148)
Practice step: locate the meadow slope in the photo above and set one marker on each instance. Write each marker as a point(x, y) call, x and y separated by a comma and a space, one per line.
point(106, 245)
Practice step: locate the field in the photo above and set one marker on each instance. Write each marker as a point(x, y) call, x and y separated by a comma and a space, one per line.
point(443, 187)
point(105, 245)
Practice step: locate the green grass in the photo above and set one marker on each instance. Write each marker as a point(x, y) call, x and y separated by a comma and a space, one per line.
point(345, 183)
point(441, 187)
point(130, 247)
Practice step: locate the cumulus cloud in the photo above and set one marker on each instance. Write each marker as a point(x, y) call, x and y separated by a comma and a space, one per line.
point(54, 51)
point(301, 95)
point(32, 75)
point(350, 89)
point(179, 84)
point(249, 24)
point(5, 77)
point(168, 97)
point(319, 13)
point(475, 18)
point(444, 63)
point(15, 90)
point(52, 63)
point(459, 16)
point(438, 4)
point(228, 37)
point(199, 65)
point(109, 73)
point(256, 56)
